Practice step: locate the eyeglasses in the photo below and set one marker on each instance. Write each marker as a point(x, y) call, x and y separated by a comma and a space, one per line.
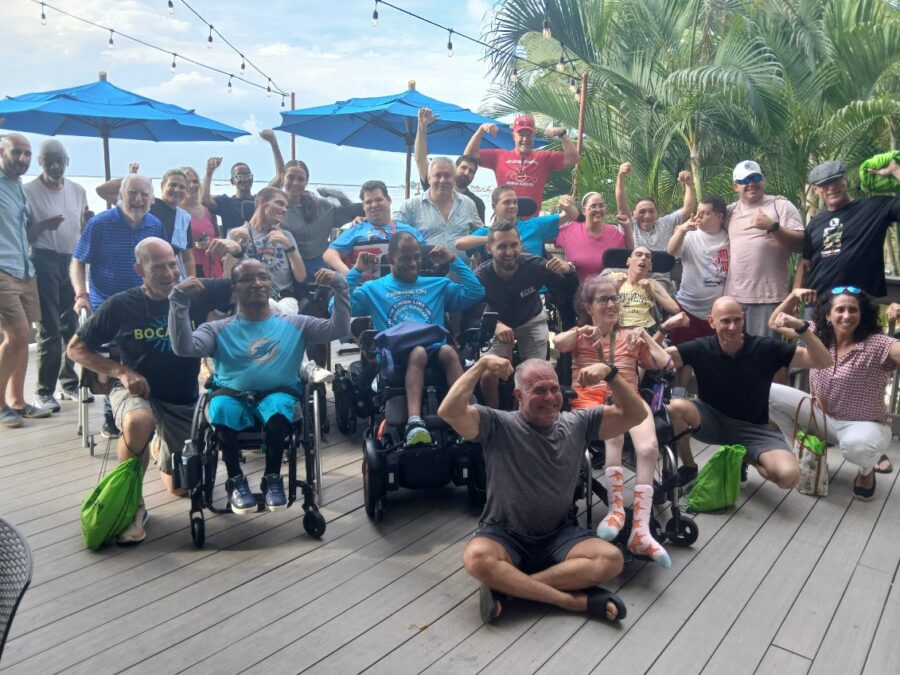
point(753, 178)
point(243, 176)
point(852, 290)
point(606, 299)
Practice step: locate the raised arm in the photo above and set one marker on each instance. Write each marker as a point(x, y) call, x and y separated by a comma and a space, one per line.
point(676, 243)
point(468, 291)
point(456, 408)
point(269, 137)
point(206, 199)
point(109, 191)
point(813, 354)
point(622, 207)
point(570, 150)
point(791, 302)
point(473, 147)
point(421, 143)
point(690, 198)
point(338, 326)
point(332, 257)
point(801, 272)
point(185, 341)
point(624, 221)
point(567, 207)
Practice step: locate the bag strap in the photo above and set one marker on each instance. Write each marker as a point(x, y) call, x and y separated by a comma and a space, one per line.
point(813, 426)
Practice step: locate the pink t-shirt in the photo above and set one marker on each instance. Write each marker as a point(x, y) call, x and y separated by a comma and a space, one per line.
point(758, 271)
point(208, 266)
point(526, 176)
point(585, 250)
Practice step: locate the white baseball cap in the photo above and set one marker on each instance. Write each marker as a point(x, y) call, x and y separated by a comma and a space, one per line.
point(744, 169)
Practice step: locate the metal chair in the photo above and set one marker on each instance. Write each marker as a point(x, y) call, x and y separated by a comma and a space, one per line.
point(16, 567)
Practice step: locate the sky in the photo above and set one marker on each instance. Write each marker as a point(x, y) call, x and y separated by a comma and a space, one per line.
point(323, 50)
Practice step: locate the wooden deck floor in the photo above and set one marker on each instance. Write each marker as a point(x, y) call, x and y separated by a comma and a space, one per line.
point(781, 583)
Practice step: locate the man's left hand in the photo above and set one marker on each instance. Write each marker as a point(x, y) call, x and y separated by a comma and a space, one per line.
point(554, 132)
point(592, 375)
point(786, 324)
point(278, 237)
point(685, 177)
point(191, 286)
point(325, 276)
point(558, 265)
point(441, 255)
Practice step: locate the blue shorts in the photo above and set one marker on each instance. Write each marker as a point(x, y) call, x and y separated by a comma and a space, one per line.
point(236, 413)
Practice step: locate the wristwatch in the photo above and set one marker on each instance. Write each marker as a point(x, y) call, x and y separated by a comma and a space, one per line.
point(290, 250)
point(802, 329)
point(774, 227)
point(613, 371)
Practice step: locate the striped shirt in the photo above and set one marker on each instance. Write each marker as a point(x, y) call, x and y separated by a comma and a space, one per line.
point(107, 245)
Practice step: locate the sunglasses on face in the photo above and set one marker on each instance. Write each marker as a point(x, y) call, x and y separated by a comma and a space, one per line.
point(754, 178)
point(243, 176)
point(852, 290)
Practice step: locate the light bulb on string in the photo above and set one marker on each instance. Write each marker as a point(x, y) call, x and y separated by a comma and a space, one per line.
point(514, 78)
point(171, 7)
point(561, 65)
point(209, 40)
point(375, 15)
point(111, 44)
point(450, 44)
point(243, 65)
point(269, 87)
point(43, 15)
point(228, 88)
point(282, 100)
point(545, 29)
point(173, 62)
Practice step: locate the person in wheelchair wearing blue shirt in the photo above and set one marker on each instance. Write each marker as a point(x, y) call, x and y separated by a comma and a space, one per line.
point(260, 352)
point(405, 296)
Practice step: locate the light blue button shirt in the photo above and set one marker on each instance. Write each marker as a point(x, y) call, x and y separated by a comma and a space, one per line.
point(425, 216)
point(13, 222)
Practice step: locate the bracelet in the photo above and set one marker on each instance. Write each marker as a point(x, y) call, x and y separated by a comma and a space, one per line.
point(665, 331)
point(802, 329)
point(613, 371)
point(290, 250)
point(80, 295)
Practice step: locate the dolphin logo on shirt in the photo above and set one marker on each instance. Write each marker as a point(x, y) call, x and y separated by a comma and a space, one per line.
point(262, 350)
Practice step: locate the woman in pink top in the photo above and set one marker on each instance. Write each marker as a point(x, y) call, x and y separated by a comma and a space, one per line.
point(852, 390)
point(602, 339)
point(203, 229)
point(584, 243)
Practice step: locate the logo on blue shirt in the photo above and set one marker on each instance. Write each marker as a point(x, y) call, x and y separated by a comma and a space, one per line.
point(262, 350)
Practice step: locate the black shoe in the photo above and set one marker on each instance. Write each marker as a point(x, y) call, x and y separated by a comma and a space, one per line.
point(744, 467)
point(241, 499)
point(47, 402)
point(110, 430)
point(273, 489)
point(686, 475)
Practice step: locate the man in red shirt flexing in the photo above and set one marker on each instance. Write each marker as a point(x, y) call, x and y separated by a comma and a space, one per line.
point(524, 168)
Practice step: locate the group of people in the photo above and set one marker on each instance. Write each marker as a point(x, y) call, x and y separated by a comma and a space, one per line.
point(187, 276)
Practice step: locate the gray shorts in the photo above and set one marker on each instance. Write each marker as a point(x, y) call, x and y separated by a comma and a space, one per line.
point(720, 429)
point(173, 422)
point(756, 318)
point(532, 337)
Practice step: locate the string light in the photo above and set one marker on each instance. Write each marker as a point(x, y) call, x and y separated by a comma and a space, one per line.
point(561, 64)
point(171, 7)
point(375, 15)
point(269, 88)
point(243, 65)
point(514, 78)
point(450, 44)
point(228, 88)
point(111, 44)
point(573, 85)
point(282, 100)
point(209, 42)
point(43, 15)
point(546, 29)
point(173, 62)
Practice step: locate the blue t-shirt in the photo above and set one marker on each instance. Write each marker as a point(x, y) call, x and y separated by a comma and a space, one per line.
point(389, 301)
point(365, 232)
point(107, 244)
point(533, 232)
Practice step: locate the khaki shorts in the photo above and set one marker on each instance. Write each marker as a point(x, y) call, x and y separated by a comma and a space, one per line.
point(19, 302)
point(532, 337)
point(173, 422)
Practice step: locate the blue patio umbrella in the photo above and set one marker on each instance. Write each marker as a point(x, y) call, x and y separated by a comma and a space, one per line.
point(104, 110)
point(389, 123)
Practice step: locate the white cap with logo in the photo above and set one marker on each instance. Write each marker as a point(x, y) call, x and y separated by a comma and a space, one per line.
point(744, 169)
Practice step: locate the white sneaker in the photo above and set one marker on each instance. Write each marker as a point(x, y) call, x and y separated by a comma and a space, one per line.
point(310, 372)
point(135, 533)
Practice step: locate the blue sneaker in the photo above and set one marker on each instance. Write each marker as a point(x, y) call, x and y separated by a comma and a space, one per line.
point(416, 433)
point(273, 489)
point(241, 499)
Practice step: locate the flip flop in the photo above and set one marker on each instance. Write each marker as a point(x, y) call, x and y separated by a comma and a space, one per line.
point(881, 460)
point(597, 598)
point(490, 603)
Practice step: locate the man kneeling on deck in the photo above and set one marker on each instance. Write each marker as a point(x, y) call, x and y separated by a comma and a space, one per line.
point(527, 544)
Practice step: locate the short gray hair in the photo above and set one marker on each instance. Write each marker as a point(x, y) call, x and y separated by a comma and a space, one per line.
point(526, 368)
point(53, 147)
point(130, 178)
point(441, 160)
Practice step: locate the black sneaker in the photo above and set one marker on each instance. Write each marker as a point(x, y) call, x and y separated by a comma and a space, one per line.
point(47, 402)
point(110, 430)
point(686, 475)
point(241, 499)
point(744, 467)
point(273, 489)
point(71, 394)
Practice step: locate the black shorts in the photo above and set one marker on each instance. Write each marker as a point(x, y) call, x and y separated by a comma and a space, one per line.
point(533, 554)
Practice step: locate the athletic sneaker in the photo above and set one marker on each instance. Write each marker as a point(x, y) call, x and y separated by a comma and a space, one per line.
point(135, 533)
point(31, 412)
point(416, 433)
point(311, 372)
point(71, 394)
point(9, 418)
point(110, 430)
point(241, 499)
point(47, 402)
point(273, 489)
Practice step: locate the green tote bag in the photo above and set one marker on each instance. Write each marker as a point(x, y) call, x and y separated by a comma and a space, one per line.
point(719, 481)
point(113, 504)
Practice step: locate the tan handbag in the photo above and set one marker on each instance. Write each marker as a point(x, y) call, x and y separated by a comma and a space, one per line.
point(811, 449)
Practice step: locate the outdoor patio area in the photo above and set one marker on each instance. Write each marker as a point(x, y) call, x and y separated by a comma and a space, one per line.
point(781, 583)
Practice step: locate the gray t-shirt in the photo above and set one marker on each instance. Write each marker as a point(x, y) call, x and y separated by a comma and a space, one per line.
point(271, 255)
point(532, 473)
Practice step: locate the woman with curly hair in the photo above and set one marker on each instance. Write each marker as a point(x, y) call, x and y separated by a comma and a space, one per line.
point(852, 390)
point(601, 339)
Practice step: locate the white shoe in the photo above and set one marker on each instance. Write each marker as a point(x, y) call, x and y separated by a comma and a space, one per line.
point(310, 372)
point(135, 533)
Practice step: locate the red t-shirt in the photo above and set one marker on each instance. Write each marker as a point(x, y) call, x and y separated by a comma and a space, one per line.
point(526, 176)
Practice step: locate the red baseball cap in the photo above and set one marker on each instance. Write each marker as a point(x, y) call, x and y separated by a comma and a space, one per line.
point(523, 122)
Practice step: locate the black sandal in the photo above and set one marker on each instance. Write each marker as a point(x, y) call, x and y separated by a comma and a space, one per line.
point(490, 603)
point(862, 493)
point(880, 460)
point(597, 599)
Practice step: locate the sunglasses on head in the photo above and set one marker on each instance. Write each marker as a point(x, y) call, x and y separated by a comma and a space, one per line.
point(852, 290)
point(753, 178)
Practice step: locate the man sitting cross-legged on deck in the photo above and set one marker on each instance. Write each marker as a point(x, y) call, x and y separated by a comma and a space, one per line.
point(255, 351)
point(527, 544)
point(405, 296)
point(734, 373)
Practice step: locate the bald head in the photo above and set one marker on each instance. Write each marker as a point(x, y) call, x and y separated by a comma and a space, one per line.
point(726, 305)
point(15, 155)
point(727, 319)
point(147, 248)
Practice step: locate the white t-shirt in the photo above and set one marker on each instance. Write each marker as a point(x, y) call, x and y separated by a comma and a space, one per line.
point(704, 258)
point(69, 203)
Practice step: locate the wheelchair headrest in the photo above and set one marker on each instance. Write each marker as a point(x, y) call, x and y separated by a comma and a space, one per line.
point(527, 207)
point(618, 258)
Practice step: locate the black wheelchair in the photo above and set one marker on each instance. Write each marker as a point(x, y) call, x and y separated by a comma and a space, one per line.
point(679, 529)
point(388, 463)
point(195, 467)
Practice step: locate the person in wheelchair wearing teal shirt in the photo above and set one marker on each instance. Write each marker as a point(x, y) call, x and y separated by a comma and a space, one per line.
point(257, 360)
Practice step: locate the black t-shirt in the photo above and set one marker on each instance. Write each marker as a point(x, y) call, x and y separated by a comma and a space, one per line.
point(479, 204)
point(166, 215)
point(737, 386)
point(140, 328)
point(846, 247)
point(517, 299)
point(233, 211)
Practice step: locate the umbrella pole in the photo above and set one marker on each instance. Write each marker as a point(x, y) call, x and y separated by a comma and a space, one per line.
point(293, 136)
point(409, 147)
point(582, 110)
point(408, 168)
point(106, 156)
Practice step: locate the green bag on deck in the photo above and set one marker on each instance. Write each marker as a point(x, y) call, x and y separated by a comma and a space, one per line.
point(113, 504)
point(719, 481)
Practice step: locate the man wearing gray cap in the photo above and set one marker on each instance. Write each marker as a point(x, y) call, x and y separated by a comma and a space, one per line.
point(844, 243)
point(58, 212)
point(763, 232)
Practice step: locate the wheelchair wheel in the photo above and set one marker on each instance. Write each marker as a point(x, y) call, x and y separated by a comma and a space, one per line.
point(314, 524)
point(682, 533)
point(198, 531)
point(373, 491)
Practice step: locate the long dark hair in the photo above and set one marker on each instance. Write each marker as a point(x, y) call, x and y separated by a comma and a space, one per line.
point(868, 317)
point(308, 206)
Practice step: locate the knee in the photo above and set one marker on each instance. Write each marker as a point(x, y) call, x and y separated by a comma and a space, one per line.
point(648, 450)
point(15, 335)
point(787, 475)
point(477, 559)
point(859, 450)
point(138, 427)
point(608, 563)
point(418, 357)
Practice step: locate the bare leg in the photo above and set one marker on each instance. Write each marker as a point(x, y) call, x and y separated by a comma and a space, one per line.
point(13, 361)
point(415, 380)
point(449, 361)
point(780, 467)
point(684, 414)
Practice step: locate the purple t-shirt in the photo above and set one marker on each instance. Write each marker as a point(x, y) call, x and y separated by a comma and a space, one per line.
point(585, 250)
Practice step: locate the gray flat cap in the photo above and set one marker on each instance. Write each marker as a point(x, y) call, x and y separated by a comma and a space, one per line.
point(826, 171)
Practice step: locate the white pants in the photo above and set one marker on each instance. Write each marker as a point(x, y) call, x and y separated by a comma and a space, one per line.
point(861, 443)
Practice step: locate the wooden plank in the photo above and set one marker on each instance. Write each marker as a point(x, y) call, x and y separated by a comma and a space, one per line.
point(883, 550)
point(779, 661)
point(884, 654)
point(846, 644)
